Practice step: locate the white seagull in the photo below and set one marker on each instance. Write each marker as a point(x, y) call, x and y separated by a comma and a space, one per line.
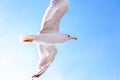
point(49, 35)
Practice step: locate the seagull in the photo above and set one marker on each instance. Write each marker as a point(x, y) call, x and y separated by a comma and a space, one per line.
point(49, 35)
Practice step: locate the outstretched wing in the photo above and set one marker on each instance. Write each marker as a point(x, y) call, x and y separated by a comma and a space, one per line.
point(53, 15)
point(47, 54)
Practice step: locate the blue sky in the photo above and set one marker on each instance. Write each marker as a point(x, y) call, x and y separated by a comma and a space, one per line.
point(94, 56)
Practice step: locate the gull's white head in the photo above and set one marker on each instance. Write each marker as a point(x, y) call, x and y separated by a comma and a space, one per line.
point(68, 37)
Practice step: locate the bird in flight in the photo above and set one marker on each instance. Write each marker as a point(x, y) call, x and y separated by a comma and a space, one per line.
point(49, 35)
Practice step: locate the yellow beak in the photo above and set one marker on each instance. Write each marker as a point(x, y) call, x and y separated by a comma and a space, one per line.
point(74, 38)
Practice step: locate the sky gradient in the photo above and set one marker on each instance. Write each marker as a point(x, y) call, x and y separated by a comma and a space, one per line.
point(94, 56)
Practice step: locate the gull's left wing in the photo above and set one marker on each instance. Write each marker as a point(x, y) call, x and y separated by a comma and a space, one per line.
point(53, 15)
point(47, 54)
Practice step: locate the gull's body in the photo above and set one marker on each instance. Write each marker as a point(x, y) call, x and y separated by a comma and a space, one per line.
point(49, 34)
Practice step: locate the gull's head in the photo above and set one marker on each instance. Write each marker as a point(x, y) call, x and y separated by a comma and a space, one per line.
point(70, 37)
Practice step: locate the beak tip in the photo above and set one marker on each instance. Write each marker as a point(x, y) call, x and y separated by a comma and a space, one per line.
point(74, 38)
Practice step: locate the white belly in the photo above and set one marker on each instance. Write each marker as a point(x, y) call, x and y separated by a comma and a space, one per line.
point(49, 39)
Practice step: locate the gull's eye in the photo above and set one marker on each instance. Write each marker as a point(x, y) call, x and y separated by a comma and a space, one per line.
point(68, 35)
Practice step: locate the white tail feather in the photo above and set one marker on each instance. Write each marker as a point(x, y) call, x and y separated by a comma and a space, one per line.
point(26, 39)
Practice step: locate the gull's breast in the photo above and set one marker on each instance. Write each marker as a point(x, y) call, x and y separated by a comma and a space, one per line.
point(49, 39)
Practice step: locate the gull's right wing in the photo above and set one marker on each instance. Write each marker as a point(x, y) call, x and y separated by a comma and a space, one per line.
point(53, 15)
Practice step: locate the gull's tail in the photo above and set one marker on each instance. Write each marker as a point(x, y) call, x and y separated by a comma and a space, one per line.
point(26, 38)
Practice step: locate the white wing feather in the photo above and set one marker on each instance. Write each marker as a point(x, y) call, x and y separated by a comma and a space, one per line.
point(47, 54)
point(53, 15)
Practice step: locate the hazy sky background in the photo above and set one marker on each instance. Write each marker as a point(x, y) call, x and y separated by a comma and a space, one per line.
point(95, 56)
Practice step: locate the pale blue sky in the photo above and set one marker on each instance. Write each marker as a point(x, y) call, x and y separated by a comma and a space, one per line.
point(95, 56)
